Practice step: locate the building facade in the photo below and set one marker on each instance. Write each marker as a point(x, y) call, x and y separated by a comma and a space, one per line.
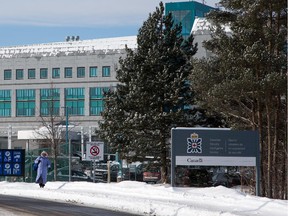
point(186, 13)
point(71, 75)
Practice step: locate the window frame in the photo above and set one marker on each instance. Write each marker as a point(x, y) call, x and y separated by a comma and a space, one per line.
point(68, 72)
point(75, 100)
point(5, 105)
point(56, 73)
point(31, 73)
point(106, 71)
point(43, 71)
point(25, 102)
point(49, 101)
point(96, 100)
point(7, 72)
point(80, 72)
point(19, 74)
point(93, 73)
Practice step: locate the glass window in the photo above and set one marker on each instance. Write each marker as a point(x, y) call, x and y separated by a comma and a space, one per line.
point(106, 71)
point(76, 93)
point(51, 93)
point(25, 102)
point(75, 100)
point(50, 108)
point(7, 74)
point(185, 18)
point(31, 74)
point(25, 94)
point(49, 102)
point(43, 73)
point(96, 107)
point(19, 74)
point(25, 108)
point(5, 105)
point(68, 72)
point(5, 95)
point(96, 100)
point(93, 71)
point(5, 109)
point(55, 73)
point(81, 72)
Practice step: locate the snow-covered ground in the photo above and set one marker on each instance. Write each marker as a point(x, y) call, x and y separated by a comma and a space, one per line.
point(146, 199)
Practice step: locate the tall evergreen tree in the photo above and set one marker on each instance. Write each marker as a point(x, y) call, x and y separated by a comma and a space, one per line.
point(153, 92)
point(246, 79)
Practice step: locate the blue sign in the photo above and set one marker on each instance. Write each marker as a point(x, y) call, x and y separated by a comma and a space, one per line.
point(7, 169)
point(16, 169)
point(12, 162)
point(7, 156)
point(17, 156)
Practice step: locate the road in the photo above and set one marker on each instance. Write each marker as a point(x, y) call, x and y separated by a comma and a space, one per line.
point(13, 205)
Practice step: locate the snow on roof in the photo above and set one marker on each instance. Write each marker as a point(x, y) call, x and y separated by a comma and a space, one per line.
point(69, 47)
point(203, 26)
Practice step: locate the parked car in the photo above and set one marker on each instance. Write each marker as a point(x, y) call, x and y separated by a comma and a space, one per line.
point(226, 179)
point(151, 174)
point(101, 172)
point(136, 171)
point(63, 175)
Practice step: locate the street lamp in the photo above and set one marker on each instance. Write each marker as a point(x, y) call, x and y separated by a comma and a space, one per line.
point(67, 123)
point(67, 140)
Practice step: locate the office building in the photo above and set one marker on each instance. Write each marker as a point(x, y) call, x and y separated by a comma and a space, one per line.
point(72, 74)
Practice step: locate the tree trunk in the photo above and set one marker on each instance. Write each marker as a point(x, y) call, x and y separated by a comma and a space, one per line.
point(269, 150)
point(276, 148)
point(261, 145)
point(163, 159)
point(54, 147)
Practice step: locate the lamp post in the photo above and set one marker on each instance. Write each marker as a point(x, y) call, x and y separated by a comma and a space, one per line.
point(67, 123)
point(67, 141)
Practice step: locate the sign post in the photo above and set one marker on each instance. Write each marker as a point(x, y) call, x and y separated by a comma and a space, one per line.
point(94, 152)
point(12, 162)
point(214, 147)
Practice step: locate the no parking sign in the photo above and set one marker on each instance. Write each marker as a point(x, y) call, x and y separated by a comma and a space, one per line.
point(95, 151)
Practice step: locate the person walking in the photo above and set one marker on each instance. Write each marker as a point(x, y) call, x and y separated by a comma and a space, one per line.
point(43, 165)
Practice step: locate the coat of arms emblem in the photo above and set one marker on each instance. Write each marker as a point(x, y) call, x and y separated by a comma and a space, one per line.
point(194, 144)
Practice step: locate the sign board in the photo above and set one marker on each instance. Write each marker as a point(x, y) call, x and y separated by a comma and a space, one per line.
point(95, 151)
point(213, 147)
point(12, 162)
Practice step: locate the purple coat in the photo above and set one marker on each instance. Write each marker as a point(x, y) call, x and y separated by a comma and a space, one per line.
point(42, 169)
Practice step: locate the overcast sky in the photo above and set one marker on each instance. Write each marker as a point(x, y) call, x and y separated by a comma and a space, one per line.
point(41, 21)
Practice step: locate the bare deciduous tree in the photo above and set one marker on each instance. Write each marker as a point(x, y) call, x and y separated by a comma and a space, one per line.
point(53, 131)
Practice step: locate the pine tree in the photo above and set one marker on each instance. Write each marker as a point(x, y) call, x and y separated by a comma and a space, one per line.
point(246, 79)
point(153, 92)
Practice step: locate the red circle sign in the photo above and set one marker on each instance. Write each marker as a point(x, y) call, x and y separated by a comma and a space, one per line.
point(94, 150)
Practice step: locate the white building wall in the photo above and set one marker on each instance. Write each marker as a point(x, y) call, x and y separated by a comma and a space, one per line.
point(202, 31)
point(101, 52)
